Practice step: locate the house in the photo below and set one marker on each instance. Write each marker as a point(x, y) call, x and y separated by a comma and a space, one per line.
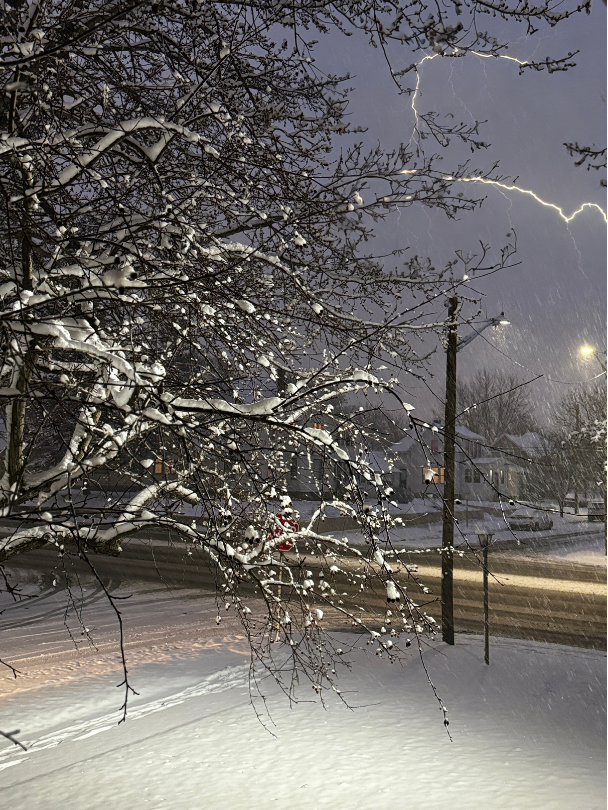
point(528, 447)
point(410, 458)
point(491, 475)
point(502, 470)
point(414, 467)
point(418, 457)
point(521, 452)
point(404, 457)
point(469, 443)
point(311, 475)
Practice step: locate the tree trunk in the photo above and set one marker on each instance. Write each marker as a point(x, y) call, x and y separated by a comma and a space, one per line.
point(16, 418)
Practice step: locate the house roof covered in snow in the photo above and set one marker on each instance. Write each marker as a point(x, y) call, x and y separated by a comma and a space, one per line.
point(465, 433)
point(378, 462)
point(530, 442)
point(403, 446)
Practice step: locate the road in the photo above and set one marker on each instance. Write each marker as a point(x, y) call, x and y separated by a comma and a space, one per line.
point(171, 595)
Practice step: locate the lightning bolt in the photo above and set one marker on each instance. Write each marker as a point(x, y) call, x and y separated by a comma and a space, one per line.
point(535, 196)
point(567, 218)
point(455, 52)
point(417, 93)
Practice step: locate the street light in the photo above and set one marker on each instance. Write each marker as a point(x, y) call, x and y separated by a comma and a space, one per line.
point(499, 320)
point(449, 461)
point(586, 351)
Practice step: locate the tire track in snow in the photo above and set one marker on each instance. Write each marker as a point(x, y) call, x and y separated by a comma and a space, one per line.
point(229, 678)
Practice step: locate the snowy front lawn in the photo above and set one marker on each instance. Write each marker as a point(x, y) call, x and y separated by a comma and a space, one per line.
point(528, 732)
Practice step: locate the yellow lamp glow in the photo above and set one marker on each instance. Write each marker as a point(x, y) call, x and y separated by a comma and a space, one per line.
point(587, 351)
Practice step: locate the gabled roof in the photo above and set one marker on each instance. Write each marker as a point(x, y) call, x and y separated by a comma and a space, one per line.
point(403, 446)
point(377, 461)
point(407, 442)
point(530, 442)
point(465, 433)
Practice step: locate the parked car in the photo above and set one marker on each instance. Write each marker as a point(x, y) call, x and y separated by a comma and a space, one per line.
point(527, 519)
point(596, 511)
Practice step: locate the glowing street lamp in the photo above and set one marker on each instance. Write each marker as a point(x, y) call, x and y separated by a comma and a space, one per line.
point(499, 320)
point(586, 351)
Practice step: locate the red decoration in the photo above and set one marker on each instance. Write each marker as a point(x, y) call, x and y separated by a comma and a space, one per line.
point(284, 522)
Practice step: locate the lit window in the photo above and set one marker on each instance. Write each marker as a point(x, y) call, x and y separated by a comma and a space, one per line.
point(438, 474)
point(163, 466)
point(468, 475)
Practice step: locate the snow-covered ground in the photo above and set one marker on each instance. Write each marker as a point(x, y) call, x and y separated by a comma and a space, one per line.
point(528, 732)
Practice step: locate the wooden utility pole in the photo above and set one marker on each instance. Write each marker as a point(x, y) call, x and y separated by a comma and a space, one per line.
point(447, 545)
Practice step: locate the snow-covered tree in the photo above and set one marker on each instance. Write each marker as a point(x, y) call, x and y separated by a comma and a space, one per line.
point(588, 451)
point(574, 452)
point(552, 475)
point(581, 415)
point(185, 278)
point(582, 408)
